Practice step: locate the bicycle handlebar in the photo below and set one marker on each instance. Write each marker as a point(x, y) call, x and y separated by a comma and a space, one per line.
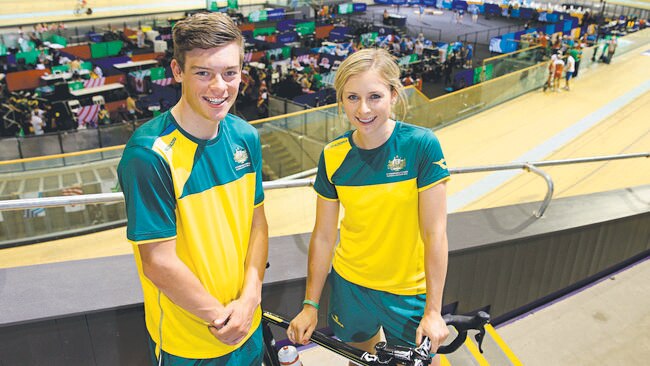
point(391, 355)
point(462, 324)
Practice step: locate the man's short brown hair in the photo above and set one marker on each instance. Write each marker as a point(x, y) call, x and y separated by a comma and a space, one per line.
point(205, 31)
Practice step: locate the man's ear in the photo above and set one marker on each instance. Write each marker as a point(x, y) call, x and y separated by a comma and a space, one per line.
point(177, 71)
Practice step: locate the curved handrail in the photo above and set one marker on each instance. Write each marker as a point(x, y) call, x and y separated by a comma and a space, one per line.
point(549, 189)
point(20, 204)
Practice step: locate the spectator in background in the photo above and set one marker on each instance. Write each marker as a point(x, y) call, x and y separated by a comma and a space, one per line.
point(75, 67)
point(576, 52)
point(132, 108)
point(295, 64)
point(103, 117)
point(551, 72)
point(447, 69)
point(558, 69)
point(99, 73)
point(305, 84)
point(418, 82)
point(263, 100)
point(139, 36)
point(474, 11)
point(407, 80)
point(569, 70)
point(418, 48)
point(612, 43)
point(37, 123)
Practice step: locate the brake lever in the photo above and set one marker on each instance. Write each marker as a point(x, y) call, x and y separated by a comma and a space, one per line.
point(479, 338)
point(462, 324)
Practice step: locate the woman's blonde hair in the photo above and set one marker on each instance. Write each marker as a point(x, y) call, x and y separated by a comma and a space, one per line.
point(379, 60)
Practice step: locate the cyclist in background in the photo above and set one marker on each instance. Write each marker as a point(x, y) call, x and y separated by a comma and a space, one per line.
point(390, 266)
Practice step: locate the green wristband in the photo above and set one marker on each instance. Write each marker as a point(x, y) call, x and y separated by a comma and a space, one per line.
point(312, 303)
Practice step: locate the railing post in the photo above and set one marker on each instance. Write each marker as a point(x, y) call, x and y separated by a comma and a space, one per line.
point(58, 135)
point(99, 138)
point(304, 121)
point(20, 151)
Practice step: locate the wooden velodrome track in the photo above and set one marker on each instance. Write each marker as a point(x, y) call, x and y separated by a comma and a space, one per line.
point(17, 12)
point(614, 101)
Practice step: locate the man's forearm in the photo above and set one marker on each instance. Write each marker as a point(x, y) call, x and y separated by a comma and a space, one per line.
point(182, 287)
point(256, 257)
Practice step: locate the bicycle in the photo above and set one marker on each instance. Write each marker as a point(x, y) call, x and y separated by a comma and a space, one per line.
point(386, 355)
point(81, 7)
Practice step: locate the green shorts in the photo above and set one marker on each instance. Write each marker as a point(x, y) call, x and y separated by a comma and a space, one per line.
point(355, 313)
point(250, 353)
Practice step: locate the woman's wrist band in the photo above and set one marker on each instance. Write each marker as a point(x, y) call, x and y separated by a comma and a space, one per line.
point(312, 303)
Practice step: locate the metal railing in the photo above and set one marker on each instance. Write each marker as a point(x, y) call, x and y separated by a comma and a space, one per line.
point(534, 167)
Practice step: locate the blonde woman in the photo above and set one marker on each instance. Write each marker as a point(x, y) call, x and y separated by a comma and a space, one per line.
point(390, 265)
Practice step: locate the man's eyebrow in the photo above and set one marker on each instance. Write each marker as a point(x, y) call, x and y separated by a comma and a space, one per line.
point(196, 67)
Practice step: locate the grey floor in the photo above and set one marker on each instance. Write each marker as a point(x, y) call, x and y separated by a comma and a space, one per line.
point(607, 323)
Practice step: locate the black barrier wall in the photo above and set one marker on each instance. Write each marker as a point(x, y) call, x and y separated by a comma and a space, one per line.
point(89, 312)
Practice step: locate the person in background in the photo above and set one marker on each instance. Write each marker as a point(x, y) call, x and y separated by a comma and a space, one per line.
point(569, 70)
point(558, 69)
point(389, 267)
point(37, 123)
point(103, 117)
point(99, 73)
point(132, 108)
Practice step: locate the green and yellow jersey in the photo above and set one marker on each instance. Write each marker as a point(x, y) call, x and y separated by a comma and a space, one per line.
point(202, 193)
point(380, 244)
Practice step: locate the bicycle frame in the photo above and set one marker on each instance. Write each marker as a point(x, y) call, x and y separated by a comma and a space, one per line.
point(412, 356)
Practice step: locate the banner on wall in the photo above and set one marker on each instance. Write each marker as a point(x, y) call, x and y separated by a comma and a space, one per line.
point(257, 16)
point(263, 31)
point(218, 4)
point(483, 73)
point(232, 4)
point(74, 190)
point(495, 45)
point(288, 37)
point(346, 8)
point(306, 28)
point(406, 60)
point(275, 14)
point(36, 211)
point(359, 7)
point(368, 39)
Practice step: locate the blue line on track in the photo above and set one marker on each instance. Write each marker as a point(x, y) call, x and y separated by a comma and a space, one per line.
point(475, 191)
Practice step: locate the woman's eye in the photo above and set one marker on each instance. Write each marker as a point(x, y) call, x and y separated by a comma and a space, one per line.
point(375, 96)
point(231, 73)
point(352, 97)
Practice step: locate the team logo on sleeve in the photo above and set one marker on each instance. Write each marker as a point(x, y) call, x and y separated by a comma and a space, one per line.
point(241, 157)
point(441, 163)
point(396, 167)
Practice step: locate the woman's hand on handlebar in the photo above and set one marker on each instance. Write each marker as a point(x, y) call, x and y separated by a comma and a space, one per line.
point(433, 326)
point(303, 325)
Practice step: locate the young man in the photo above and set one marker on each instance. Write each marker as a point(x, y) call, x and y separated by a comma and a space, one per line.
point(192, 180)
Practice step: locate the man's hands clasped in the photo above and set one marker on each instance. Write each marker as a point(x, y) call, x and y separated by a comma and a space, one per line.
point(234, 321)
